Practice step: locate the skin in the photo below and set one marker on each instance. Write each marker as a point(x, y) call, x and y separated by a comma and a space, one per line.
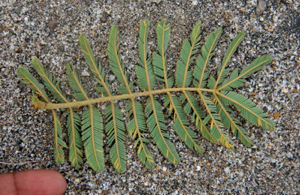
point(33, 182)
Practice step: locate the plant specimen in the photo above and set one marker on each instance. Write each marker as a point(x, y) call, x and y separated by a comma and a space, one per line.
point(192, 95)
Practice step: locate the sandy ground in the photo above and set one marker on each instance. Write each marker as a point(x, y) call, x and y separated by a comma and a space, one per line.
point(50, 30)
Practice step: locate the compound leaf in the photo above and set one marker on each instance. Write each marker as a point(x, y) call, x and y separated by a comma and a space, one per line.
point(116, 135)
point(236, 80)
point(180, 126)
point(144, 72)
point(32, 83)
point(200, 75)
point(208, 102)
point(91, 125)
point(73, 125)
point(115, 61)
point(189, 48)
point(155, 121)
point(159, 60)
point(136, 127)
point(247, 109)
point(92, 136)
point(222, 71)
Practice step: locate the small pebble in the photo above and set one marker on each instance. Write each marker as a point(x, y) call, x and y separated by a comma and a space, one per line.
point(194, 2)
point(85, 73)
point(52, 25)
point(103, 19)
point(261, 6)
point(112, 77)
point(155, 1)
point(227, 170)
point(61, 48)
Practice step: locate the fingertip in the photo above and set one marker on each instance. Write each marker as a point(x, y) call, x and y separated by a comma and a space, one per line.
point(35, 182)
point(55, 183)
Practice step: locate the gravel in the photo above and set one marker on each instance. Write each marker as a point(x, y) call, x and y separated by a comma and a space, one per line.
point(50, 29)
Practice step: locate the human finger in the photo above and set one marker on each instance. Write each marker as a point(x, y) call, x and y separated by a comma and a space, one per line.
point(46, 182)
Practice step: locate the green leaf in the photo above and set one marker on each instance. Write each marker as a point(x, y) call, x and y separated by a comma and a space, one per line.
point(158, 129)
point(211, 82)
point(144, 72)
point(137, 126)
point(207, 103)
point(183, 74)
point(92, 136)
point(74, 125)
point(247, 109)
point(75, 83)
point(92, 125)
point(230, 51)
point(89, 55)
point(115, 130)
point(226, 141)
point(159, 60)
point(58, 142)
point(193, 107)
point(236, 80)
point(103, 91)
point(200, 75)
point(124, 89)
point(146, 79)
point(93, 64)
point(231, 123)
point(115, 61)
point(50, 82)
point(75, 154)
point(180, 126)
point(215, 123)
point(31, 82)
point(160, 68)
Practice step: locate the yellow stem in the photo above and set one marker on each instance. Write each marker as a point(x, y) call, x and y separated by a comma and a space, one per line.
point(117, 97)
